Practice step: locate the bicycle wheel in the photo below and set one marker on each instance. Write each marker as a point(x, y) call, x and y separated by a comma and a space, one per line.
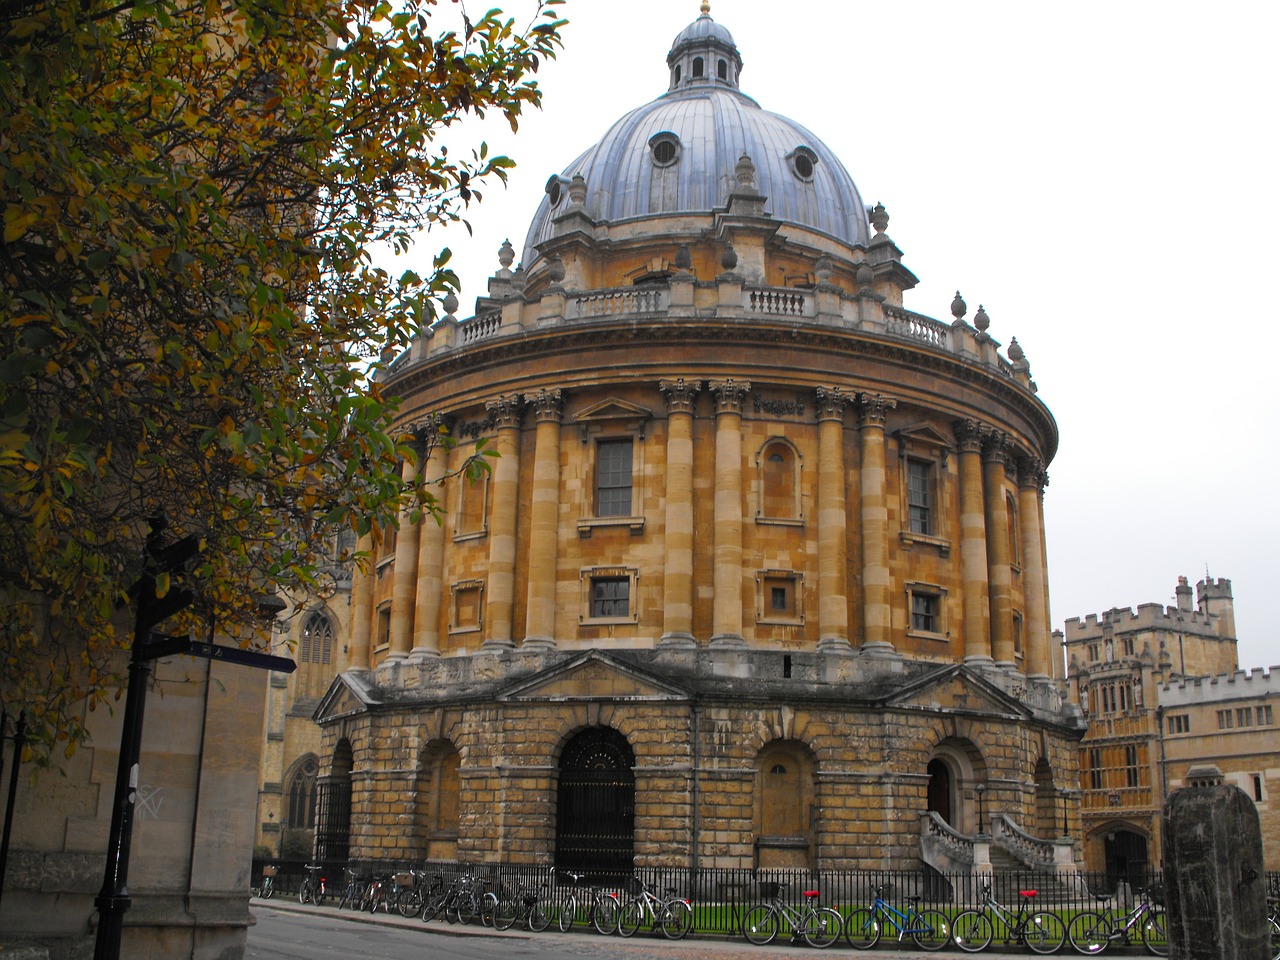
point(304, 892)
point(821, 927)
point(488, 907)
point(268, 889)
point(760, 924)
point(862, 929)
point(1044, 932)
point(971, 931)
point(465, 907)
point(409, 902)
point(539, 918)
point(1155, 933)
point(630, 917)
point(1275, 938)
point(566, 912)
point(677, 919)
point(432, 906)
point(349, 896)
point(1089, 932)
point(931, 929)
point(504, 917)
point(604, 916)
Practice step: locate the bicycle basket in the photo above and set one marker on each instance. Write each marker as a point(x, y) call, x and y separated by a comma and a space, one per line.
point(404, 879)
point(269, 870)
point(1156, 893)
point(769, 888)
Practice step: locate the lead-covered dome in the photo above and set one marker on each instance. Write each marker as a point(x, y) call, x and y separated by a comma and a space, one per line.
point(677, 156)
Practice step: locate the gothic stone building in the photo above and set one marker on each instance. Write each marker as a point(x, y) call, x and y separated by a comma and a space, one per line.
point(1166, 705)
point(758, 578)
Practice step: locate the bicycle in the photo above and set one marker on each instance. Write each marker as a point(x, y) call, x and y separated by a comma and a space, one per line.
point(458, 903)
point(525, 906)
point(376, 894)
point(818, 926)
point(1041, 931)
point(1093, 932)
point(565, 903)
point(929, 929)
point(353, 895)
point(312, 889)
point(410, 892)
point(606, 911)
point(268, 887)
point(673, 915)
point(1273, 921)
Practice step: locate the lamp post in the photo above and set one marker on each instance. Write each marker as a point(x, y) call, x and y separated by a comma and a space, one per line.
point(980, 789)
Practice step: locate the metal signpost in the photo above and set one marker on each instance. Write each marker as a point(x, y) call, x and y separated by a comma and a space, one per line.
point(113, 899)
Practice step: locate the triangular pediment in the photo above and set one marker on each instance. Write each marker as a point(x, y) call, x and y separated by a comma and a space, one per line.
point(957, 689)
point(347, 695)
point(594, 676)
point(613, 409)
point(925, 433)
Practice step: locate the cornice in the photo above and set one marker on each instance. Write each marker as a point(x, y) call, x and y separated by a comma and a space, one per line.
point(588, 338)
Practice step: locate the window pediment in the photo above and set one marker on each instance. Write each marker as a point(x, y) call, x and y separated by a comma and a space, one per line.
point(613, 414)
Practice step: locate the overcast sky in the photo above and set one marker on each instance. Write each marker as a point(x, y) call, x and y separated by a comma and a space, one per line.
point(1102, 176)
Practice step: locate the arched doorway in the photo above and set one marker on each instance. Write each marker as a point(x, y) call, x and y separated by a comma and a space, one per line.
point(784, 806)
point(939, 798)
point(595, 809)
point(333, 821)
point(1126, 857)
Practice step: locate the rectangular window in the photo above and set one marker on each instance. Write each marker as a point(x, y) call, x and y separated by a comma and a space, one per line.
point(1093, 652)
point(468, 606)
point(1264, 716)
point(920, 496)
point(1244, 717)
point(1131, 764)
point(610, 597)
point(1225, 720)
point(1017, 634)
point(778, 597)
point(924, 613)
point(383, 635)
point(613, 477)
point(472, 494)
point(1257, 787)
point(1179, 723)
point(1128, 646)
point(1095, 768)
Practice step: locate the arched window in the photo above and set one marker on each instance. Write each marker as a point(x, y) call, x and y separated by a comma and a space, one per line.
point(438, 800)
point(301, 794)
point(722, 70)
point(316, 644)
point(697, 67)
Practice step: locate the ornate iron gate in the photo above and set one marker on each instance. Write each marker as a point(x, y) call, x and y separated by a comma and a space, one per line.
point(595, 813)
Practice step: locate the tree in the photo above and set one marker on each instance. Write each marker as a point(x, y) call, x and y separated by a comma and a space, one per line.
point(190, 309)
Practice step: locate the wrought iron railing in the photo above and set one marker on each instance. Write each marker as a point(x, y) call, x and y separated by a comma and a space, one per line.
point(720, 896)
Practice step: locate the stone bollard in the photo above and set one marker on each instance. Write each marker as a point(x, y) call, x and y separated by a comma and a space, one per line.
point(1215, 886)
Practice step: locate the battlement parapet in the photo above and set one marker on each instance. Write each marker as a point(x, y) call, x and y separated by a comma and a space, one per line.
point(1150, 616)
point(1240, 685)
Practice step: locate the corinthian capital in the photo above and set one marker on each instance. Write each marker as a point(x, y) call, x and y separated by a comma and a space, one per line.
point(546, 404)
point(680, 394)
point(504, 412)
point(831, 402)
point(969, 435)
point(873, 409)
point(730, 394)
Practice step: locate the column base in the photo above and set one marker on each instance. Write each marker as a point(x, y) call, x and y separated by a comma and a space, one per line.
point(835, 646)
point(979, 662)
point(538, 643)
point(496, 646)
point(677, 640)
point(734, 640)
point(418, 654)
point(879, 650)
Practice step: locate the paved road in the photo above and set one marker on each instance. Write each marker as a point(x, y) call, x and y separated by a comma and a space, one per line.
point(287, 930)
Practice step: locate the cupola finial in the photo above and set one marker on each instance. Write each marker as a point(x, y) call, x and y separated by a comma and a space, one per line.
point(705, 8)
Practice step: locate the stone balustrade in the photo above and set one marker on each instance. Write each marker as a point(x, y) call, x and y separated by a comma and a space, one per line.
point(725, 298)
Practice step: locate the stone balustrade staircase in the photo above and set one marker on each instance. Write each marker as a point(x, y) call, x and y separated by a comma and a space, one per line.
point(1046, 865)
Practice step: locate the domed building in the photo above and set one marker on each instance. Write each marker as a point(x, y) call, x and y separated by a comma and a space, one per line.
point(758, 578)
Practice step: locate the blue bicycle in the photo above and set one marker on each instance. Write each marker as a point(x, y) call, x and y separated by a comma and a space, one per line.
point(929, 929)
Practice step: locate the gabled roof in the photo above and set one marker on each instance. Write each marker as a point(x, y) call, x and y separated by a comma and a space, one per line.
point(955, 688)
point(350, 693)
